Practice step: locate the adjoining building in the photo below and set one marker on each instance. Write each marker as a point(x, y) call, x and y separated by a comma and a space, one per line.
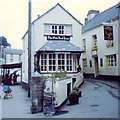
point(55, 43)
point(101, 43)
point(13, 62)
point(10, 59)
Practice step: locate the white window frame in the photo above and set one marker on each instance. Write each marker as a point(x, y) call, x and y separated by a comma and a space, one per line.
point(11, 57)
point(69, 62)
point(58, 29)
point(61, 62)
point(111, 60)
point(43, 67)
point(52, 62)
point(84, 62)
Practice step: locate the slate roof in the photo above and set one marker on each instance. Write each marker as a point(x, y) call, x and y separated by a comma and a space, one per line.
point(60, 46)
point(104, 16)
point(13, 51)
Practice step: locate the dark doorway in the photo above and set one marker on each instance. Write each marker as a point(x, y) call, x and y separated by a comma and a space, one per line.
point(68, 89)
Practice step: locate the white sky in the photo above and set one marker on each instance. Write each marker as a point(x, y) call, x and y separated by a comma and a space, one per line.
point(14, 14)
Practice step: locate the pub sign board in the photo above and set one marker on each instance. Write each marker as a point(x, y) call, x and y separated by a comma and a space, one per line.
point(57, 37)
point(108, 32)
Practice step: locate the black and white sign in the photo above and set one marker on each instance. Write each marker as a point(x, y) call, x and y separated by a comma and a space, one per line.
point(57, 37)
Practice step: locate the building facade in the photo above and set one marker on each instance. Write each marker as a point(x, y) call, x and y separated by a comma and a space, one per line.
point(101, 43)
point(54, 44)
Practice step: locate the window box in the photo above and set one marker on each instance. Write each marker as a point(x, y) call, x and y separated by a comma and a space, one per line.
point(94, 48)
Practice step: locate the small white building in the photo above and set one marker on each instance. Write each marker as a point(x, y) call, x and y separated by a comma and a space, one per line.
point(101, 43)
point(13, 61)
point(55, 43)
point(13, 55)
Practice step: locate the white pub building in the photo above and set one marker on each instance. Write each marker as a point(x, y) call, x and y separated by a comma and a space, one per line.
point(101, 43)
point(55, 43)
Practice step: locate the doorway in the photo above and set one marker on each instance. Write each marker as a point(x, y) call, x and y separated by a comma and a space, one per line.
point(96, 67)
point(68, 89)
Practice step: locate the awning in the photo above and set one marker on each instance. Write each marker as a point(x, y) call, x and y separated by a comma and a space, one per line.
point(60, 46)
point(10, 66)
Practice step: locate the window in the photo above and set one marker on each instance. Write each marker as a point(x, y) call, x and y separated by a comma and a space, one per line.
point(84, 45)
point(84, 62)
point(111, 60)
point(94, 40)
point(54, 29)
point(43, 62)
point(61, 29)
point(75, 62)
point(101, 62)
point(20, 57)
point(52, 62)
point(11, 58)
point(61, 62)
point(69, 62)
point(90, 63)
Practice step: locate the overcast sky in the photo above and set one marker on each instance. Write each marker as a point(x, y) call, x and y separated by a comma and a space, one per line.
point(14, 14)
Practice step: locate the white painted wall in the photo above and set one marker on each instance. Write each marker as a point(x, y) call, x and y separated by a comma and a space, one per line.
point(102, 49)
point(60, 87)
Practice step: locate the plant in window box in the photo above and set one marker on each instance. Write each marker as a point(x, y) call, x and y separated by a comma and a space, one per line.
point(61, 74)
point(107, 44)
point(74, 96)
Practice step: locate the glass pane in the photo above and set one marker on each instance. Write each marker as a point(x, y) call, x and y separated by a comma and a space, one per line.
point(53, 56)
point(53, 62)
point(53, 68)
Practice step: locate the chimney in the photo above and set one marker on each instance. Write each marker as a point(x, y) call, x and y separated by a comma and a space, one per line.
point(38, 15)
point(91, 14)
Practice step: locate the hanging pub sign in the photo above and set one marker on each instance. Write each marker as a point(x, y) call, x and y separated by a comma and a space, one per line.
point(57, 37)
point(108, 32)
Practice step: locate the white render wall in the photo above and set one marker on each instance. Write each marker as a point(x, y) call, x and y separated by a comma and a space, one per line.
point(102, 49)
point(55, 16)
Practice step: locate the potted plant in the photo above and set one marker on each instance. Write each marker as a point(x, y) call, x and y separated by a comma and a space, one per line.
point(74, 96)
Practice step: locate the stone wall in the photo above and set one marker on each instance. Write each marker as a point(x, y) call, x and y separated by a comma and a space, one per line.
point(36, 93)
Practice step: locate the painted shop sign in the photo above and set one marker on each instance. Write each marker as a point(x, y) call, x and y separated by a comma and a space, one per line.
point(56, 37)
point(108, 32)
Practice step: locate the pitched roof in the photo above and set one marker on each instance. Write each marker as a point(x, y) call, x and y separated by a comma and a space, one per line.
point(104, 16)
point(51, 10)
point(13, 51)
point(59, 46)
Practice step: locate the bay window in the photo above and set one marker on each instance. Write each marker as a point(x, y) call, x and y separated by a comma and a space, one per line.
point(53, 62)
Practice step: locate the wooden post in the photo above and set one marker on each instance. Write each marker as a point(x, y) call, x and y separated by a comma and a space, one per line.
point(29, 46)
